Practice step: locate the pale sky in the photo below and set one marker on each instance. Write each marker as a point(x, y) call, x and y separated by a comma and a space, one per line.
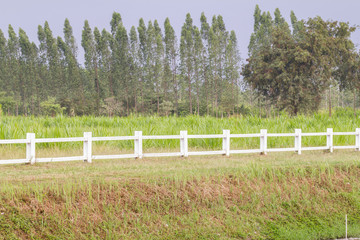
point(237, 14)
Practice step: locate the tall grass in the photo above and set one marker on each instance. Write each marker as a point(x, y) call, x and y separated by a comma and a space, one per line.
point(61, 126)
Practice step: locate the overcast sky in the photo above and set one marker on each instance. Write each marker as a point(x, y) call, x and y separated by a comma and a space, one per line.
point(237, 14)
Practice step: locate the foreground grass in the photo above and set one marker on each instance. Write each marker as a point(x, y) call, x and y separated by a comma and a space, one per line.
point(278, 196)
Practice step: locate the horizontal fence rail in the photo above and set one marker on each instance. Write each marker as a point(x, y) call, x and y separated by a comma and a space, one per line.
point(138, 138)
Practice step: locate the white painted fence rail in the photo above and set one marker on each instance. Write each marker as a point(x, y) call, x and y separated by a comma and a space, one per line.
point(87, 140)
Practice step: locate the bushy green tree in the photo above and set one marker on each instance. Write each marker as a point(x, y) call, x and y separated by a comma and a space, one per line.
point(291, 71)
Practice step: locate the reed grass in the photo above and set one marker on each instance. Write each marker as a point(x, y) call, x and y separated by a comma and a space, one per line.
point(249, 196)
point(61, 126)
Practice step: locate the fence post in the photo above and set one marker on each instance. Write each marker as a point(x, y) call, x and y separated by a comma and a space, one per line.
point(329, 139)
point(30, 148)
point(263, 141)
point(298, 141)
point(138, 144)
point(357, 139)
point(87, 147)
point(226, 142)
point(184, 144)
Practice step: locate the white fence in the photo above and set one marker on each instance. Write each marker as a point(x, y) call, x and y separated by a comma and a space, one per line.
point(138, 138)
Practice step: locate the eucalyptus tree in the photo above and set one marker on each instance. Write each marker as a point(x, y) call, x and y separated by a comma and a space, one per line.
point(205, 69)
point(121, 64)
point(142, 61)
point(14, 67)
point(232, 72)
point(160, 84)
point(69, 38)
point(297, 26)
point(171, 62)
point(91, 63)
point(53, 60)
point(72, 87)
point(150, 67)
point(28, 75)
point(217, 46)
point(186, 56)
point(198, 58)
point(116, 20)
point(65, 81)
point(104, 50)
point(260, 40)
point(4, 84)
point(134, 65)
point(74, 75)
point(100, 55)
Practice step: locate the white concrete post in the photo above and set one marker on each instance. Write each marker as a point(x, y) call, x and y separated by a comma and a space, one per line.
point(329, 139)
point(184, 144)
point(138, 144)
point(87, 147)
point(30, 148)
point(263, 141)
point(298, 141)
point(357, 139)
point(226, 142)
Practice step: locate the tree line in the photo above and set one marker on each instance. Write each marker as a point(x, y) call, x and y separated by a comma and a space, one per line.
point(145, 70)
point(149, 70)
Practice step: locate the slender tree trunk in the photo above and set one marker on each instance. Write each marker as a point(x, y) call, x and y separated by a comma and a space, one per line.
point(158, 102)
point(175, 85)
point(354, 102)
point(111, 85)
point(216, 95)
point(190, 102)
point(233, 94)
point(197, 93)
point(198, 101)
point(97, 89)
point(251, 98)
point(135, 99)
point(259, 106)
point(142, 95)
point(127, 101)
point(206, 87)
point(330, 101)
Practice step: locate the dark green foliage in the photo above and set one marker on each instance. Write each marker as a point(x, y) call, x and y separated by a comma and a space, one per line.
point(51, 108)
point(149, 71)
point(140, 72)
point(293, 70)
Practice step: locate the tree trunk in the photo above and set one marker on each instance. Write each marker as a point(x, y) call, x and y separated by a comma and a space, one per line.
point(259, 100)
point(97, 89)
point(354, 102)
point(175, 85)
point(135, 101)
point(158, 103)
point(190, 103)
point(330, 101)
point(127, 101)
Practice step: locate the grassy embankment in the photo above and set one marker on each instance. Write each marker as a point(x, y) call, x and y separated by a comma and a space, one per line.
point(278, 196)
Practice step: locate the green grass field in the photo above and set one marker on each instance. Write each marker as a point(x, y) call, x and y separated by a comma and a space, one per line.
point(250, 196)
point(47, 127)
point(278, 196)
